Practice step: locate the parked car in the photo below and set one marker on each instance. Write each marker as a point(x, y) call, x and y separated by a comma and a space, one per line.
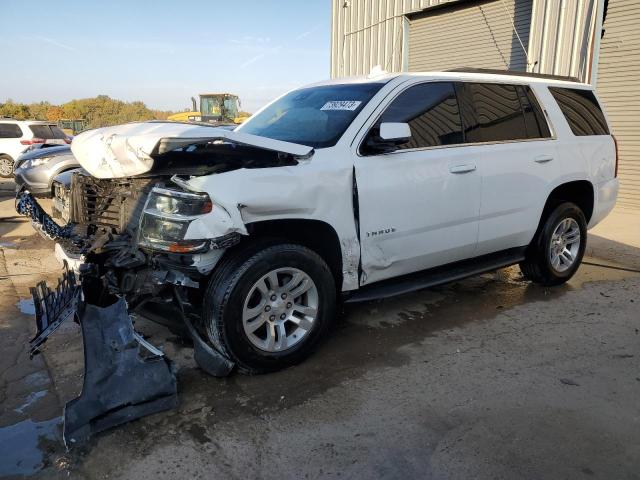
point(351, 189)
point(17, 135)
point(36, 169)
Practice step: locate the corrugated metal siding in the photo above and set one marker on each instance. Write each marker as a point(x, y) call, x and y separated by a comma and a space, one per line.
point(366, 33)
point(477, 35)
point(619, 89)
point(561, 37)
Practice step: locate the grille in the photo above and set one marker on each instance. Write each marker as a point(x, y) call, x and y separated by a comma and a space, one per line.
point(113, 204)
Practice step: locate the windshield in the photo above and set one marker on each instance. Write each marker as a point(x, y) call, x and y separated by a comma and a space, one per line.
point(315, 116)
point(210, 106)
point(231, 107)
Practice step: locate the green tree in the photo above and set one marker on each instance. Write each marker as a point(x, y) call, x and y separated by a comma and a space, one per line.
point(100, 111)
point(19, 111)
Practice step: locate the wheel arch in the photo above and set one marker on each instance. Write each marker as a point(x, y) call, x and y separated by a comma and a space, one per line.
point(316, 235)
point(580, 192)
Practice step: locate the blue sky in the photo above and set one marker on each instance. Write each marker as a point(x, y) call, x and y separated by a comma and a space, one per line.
point(161, 52)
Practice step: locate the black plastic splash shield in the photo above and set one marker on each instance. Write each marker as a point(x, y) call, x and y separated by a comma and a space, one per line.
point(125, 377)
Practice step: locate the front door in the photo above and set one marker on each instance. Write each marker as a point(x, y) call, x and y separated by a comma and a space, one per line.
point(419, 204)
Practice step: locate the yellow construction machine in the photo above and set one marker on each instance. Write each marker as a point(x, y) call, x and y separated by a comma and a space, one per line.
point(219, 108)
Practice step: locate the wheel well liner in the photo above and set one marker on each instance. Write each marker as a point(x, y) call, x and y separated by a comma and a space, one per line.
point(579, 192)
point(317, 235)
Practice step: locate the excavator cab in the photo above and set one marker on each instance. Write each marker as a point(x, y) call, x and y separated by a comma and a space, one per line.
point(219, 107)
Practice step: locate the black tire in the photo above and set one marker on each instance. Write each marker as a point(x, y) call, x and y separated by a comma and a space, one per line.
point(229, 287)
point(537, 265)
point(7, 166)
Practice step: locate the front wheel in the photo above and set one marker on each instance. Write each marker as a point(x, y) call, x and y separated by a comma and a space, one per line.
point(6, 166)
point(558, 247)
point(267, 309)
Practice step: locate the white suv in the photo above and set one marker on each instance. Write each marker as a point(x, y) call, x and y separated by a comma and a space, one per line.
point(354, 188)
point(18, 135)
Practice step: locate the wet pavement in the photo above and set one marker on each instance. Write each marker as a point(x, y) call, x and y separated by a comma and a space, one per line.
point(490, 377)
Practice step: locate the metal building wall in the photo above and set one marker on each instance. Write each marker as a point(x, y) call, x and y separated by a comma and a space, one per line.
point(366, 33)
point(489, 39)
point(619, 90)
point(562, 37)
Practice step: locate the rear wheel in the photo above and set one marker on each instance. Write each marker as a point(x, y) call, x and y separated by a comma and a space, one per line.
point(6, 166)
point(267, 309)
point(558, 247)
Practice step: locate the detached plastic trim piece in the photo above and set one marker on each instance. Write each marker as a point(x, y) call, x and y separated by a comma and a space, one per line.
point(124, 379)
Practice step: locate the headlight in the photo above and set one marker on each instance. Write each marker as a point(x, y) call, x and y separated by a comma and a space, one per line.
point(166, 217)
point(173, 202)
point(36, 162)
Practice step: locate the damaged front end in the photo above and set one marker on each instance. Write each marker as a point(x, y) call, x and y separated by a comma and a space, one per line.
point(125, 377)
point(130, 236)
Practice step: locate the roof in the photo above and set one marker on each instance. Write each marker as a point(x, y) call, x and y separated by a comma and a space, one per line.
point(460, 75)
point(30, 122)
point(208, 94)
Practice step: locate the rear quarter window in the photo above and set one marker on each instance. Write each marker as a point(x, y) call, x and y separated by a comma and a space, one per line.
point(47, 132)
point(582, 111)
point(10, 130)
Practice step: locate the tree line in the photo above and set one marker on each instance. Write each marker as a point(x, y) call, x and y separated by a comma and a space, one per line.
point(100, 111)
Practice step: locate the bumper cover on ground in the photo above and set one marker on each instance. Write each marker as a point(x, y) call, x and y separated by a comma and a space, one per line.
point(124, 376)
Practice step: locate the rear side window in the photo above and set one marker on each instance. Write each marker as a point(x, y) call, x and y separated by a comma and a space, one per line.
point(47, 132)
point(581, 110)
point(534, 119)
point(10, 130)
point(496, 114)
point(431, 110)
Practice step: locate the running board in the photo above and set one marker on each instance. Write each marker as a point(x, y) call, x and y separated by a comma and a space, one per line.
point(437, 276)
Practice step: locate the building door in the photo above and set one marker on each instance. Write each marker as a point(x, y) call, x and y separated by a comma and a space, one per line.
point(478, 35)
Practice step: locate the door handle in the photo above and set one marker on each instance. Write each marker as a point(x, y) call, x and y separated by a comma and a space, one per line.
point(543, 158)
point(468, 167)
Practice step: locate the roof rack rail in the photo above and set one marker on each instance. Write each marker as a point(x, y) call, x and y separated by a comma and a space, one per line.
point(514, 73)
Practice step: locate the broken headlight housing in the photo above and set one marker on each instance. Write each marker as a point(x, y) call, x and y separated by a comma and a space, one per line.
point(166, 218)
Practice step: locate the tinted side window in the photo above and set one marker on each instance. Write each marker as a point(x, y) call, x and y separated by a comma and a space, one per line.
point(498, 113)
point(10, 130)
point(534, 119)
point(581, 110)
point(431, 110)
point(46, 131)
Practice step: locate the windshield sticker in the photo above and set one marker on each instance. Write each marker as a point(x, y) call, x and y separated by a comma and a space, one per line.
point(341, 105)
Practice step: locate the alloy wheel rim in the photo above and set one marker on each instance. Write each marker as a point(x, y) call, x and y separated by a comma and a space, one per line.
point(564, 245)
point(6, 166)
point(280, 310)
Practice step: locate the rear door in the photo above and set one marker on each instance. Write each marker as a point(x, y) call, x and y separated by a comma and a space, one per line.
point(516, 158)
point(419, 204)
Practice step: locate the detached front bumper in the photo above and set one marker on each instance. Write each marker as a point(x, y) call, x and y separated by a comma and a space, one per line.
point(125, 377)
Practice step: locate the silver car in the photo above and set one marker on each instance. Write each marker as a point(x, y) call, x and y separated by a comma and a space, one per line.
point(35, 170)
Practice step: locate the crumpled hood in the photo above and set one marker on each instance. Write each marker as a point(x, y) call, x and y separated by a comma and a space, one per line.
point(128, 150)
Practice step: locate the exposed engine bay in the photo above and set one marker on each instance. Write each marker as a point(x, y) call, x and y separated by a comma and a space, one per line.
point(127, 217)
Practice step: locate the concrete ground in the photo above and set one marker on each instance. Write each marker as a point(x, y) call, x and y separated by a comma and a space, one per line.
point(491, 377)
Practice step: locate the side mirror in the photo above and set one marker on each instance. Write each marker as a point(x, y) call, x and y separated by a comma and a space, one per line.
point(386, 138)
point(395, 132)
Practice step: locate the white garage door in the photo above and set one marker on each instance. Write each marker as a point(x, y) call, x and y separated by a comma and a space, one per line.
point(478, 35)
point(619, 88)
